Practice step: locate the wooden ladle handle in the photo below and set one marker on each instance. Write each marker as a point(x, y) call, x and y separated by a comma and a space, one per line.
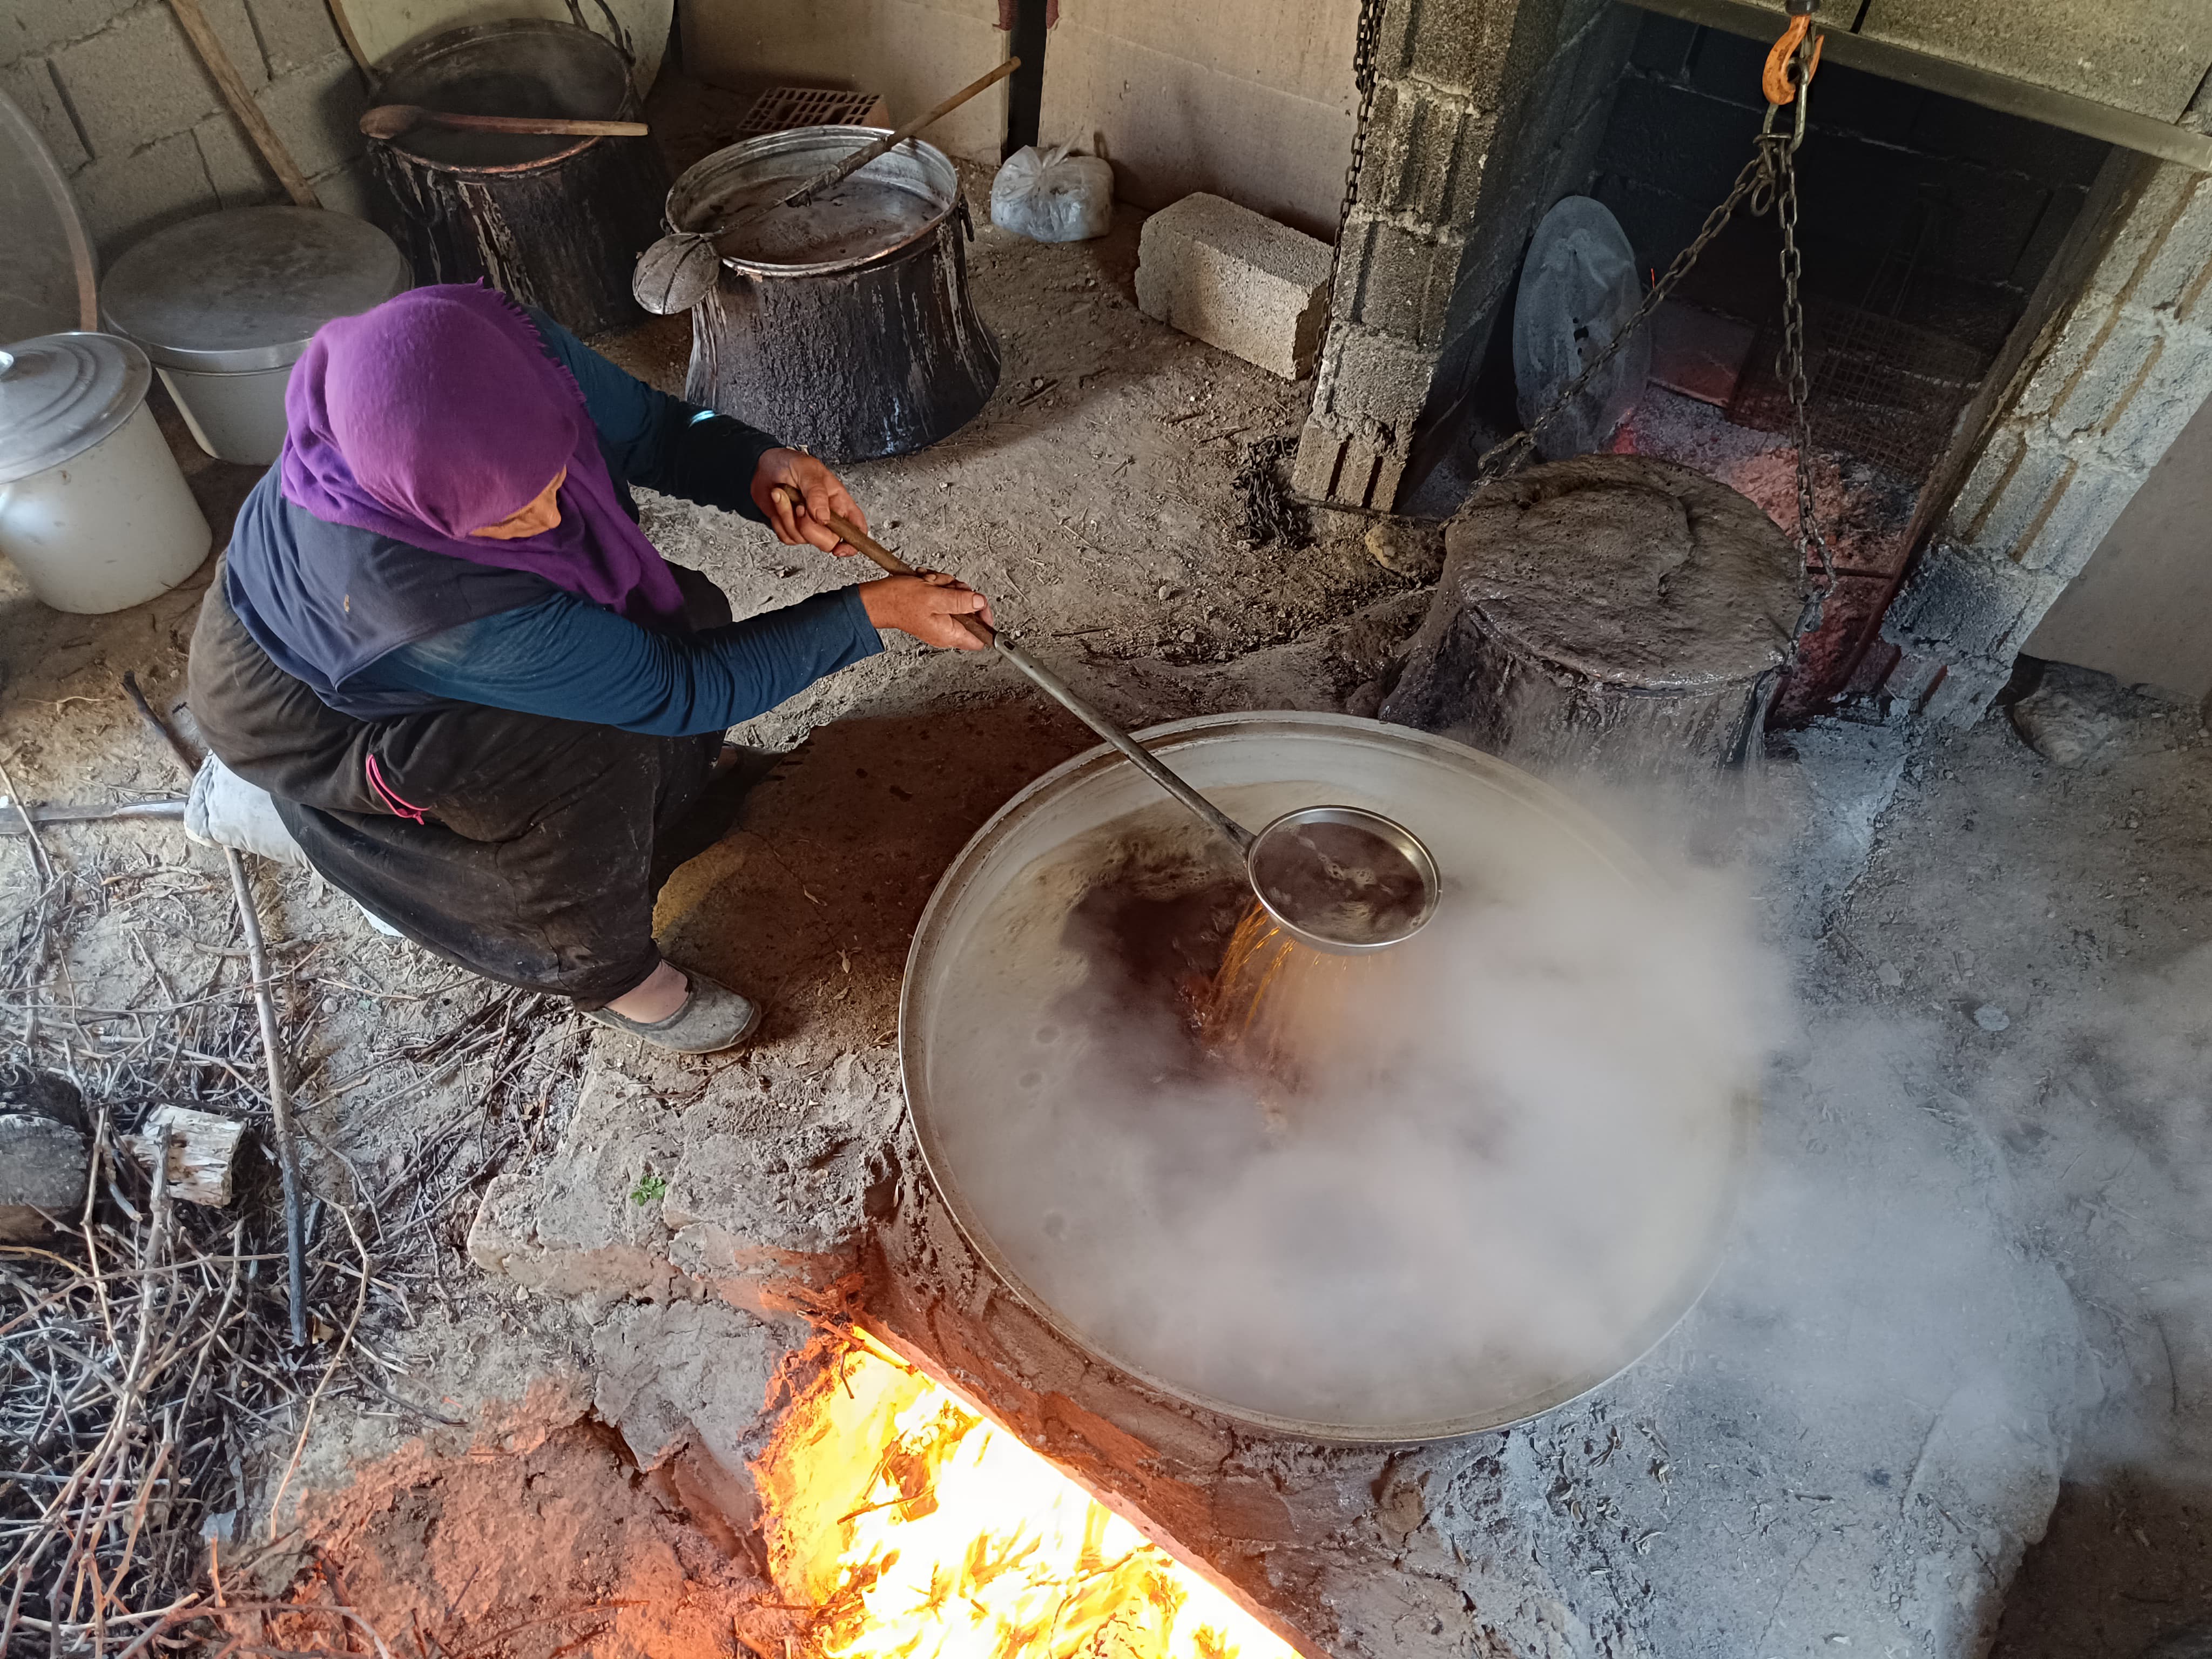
point(889, 562)
point(390, 120)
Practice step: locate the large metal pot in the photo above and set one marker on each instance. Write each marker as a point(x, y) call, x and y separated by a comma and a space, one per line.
point(845, 324)
point(1507, 1221)
point(556, 221)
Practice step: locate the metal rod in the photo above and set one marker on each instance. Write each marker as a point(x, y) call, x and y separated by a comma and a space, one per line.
point(11, 824)
point(272, 1052)
point(1057, 689)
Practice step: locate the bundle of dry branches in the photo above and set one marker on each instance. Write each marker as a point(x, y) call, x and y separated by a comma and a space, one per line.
point(148, 1386)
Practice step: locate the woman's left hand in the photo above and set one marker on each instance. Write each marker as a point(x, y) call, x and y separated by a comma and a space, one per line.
point(816, 487)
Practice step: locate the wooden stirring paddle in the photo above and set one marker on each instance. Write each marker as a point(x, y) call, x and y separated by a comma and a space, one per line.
point(390, 120)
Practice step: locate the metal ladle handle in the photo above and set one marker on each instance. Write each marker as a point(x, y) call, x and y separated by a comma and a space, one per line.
point(1057, 689)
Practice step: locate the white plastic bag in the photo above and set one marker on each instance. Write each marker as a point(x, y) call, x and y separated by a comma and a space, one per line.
point(1050, 196)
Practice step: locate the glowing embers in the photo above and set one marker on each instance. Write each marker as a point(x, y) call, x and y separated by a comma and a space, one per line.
point(915, 1529)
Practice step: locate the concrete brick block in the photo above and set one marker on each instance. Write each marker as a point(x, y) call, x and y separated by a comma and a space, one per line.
point(1378, 378)
point(2092, 497)
point(346, 190)
point(2078, 336)
point(2139, 433)
point(2017, 504)
point(2138, 233)
point(30, 27)
point(1235, 280)
point(2109, 375)
point(1460, 44)
point(1990, 470)
point(30, 85)
point(125, 197)
point(140, 80)
point(1405, 282)
point(316, 111)
point(2172, 269)
point(294, 33)
point(1422, 145)
point(233, 167)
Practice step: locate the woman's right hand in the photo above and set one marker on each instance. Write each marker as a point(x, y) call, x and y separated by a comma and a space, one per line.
point(928, 606)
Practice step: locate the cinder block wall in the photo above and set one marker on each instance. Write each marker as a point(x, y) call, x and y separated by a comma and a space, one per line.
point(1486, 112)
point(137, 125)
point(2110, 380)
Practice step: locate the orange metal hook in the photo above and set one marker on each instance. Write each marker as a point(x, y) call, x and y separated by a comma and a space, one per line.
point(1774, 80)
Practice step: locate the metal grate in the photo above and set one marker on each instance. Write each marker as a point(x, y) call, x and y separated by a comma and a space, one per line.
point(1882, 390)
point(779, 109)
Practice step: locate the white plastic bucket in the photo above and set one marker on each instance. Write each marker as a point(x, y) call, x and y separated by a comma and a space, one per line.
point(112, 526)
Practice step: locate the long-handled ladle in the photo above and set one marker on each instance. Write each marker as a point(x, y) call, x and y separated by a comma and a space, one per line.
point(1339, 878)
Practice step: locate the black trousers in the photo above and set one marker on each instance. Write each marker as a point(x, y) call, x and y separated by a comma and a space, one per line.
point(541, 841)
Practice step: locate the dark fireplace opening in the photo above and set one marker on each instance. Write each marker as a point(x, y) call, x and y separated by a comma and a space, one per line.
point(1925, 224)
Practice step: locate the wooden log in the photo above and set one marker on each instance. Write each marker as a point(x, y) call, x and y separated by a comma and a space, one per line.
point(1615, 614)
point(203, 1152)
point(42, 1165)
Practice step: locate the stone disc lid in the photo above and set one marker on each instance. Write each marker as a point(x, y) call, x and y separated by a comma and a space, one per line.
point(1630, 570)
point(62, 393)
point(246, 289)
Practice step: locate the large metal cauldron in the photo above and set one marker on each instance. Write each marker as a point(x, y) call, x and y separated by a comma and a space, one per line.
point(1517, 1215)
point(844, 325)
point(555, 221)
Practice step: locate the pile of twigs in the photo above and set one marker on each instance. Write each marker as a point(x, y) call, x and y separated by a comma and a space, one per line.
point(149, 1388)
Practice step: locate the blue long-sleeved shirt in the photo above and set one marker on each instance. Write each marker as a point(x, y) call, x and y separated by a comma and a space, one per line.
point(565, 657)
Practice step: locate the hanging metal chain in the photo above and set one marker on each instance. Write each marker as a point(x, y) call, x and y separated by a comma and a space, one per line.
point(1781, 193)
point(1767, 182)
point(1363, 78)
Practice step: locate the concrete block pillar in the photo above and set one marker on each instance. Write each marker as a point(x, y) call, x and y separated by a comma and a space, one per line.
point(2119, 367)
point(1400, 249)
point(1484, 112)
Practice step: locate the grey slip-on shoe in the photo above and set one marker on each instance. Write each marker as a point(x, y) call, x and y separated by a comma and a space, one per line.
point(712, 1017)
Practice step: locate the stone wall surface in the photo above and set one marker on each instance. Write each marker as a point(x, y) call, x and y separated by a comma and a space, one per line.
point(136, 121)
point(1486, 112)
point(2113, 375)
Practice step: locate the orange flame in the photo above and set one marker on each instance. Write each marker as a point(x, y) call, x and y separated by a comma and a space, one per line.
point(914, 1527)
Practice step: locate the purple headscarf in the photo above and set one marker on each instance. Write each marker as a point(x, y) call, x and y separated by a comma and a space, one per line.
point(438, 413)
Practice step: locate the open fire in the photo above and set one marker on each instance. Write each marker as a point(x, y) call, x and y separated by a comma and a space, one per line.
point(911, 1526)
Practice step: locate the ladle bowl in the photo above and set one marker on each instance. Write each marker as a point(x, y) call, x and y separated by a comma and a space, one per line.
point(1343, 878)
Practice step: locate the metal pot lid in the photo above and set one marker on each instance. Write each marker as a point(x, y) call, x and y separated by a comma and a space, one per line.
point(246, 289)
point(62, 393)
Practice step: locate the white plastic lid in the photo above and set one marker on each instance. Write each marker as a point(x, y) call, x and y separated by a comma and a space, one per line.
point(62, 393)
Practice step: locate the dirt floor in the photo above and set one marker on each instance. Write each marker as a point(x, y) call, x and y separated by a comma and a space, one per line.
point(2004, 972)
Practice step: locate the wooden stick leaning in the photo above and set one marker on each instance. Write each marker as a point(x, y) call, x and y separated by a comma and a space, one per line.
point(272, 1050)
point(208, 44)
